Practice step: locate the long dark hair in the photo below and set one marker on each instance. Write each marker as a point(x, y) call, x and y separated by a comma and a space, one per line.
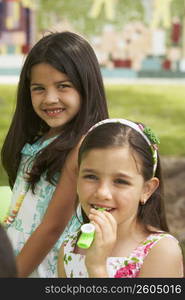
point(71, 54)
point(116, 135)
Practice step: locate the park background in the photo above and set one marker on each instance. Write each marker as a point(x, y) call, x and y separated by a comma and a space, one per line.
point(140, 45)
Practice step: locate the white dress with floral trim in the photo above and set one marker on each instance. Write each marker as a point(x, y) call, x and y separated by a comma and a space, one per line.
point(32, 211)
point(117, 267)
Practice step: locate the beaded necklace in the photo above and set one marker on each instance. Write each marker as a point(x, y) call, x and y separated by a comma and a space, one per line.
point(11, 215)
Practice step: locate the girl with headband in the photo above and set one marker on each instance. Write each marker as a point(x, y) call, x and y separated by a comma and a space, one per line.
point(120, 191)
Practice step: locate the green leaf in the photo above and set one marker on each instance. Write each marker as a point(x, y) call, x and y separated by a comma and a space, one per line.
point(135, 259)
point(69, 258)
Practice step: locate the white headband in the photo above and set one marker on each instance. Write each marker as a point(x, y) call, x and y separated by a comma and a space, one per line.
point(146, 133)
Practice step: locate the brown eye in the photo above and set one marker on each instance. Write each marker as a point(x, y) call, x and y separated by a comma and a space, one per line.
point(121, 181)
point(64, 85)
point(37, 88)
point(90, 176)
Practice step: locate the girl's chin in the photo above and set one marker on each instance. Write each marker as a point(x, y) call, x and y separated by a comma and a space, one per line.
point(54, 130)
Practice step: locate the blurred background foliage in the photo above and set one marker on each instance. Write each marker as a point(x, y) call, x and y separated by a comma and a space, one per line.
point(77, 12)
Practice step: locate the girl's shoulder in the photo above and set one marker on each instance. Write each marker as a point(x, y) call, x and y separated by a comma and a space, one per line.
point(162, 248)
point(71, 163)
point(157, 239)
point(162, 256)
point(39, 144)
point(164, 242)
point(158, 235)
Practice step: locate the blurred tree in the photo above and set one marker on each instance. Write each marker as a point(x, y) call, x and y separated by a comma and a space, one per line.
point(178, 10)
point(78, 14)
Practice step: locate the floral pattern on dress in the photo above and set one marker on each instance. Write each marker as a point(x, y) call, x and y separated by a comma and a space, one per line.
point(117, 267)
point(132, 265)
point(128, 271)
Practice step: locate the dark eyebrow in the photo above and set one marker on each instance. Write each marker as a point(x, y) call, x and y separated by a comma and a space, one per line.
point(88, 170)
point(57, 82)
point(123, 175)
point(119, 174)
point(35, 84)
point(62, 81)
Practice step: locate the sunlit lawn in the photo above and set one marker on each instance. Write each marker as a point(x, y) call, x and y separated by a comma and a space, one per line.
point(161, 107)
point(7, 104)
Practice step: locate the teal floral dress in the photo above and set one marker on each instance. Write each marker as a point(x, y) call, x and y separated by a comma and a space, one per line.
point(117, 267)
point(32, 211)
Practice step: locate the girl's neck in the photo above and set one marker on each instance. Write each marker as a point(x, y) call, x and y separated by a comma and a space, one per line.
point(48, 136)
point(129, 236)
point(130, 229)
point(52, 132)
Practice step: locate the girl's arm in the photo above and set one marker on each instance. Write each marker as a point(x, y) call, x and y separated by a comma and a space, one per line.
point(163, 260)
point(58, 213)
point(60, 264)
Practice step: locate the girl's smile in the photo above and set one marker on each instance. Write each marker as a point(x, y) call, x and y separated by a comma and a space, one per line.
point(54, 97)
point(54, 112)
point(102, 207)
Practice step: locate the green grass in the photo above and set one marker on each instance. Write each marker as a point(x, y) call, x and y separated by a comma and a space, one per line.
point(7, 105)
point(161, 107)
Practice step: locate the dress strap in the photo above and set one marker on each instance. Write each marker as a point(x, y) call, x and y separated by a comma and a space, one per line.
point(143, 248)
point(33, 149)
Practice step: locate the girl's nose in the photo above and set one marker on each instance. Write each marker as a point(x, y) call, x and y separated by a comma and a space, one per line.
point(103, 192)
point(51, 97)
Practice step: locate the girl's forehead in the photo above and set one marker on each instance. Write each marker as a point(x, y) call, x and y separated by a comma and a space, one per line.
point(42, 70)
point(108, 151)
point(111, 158)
